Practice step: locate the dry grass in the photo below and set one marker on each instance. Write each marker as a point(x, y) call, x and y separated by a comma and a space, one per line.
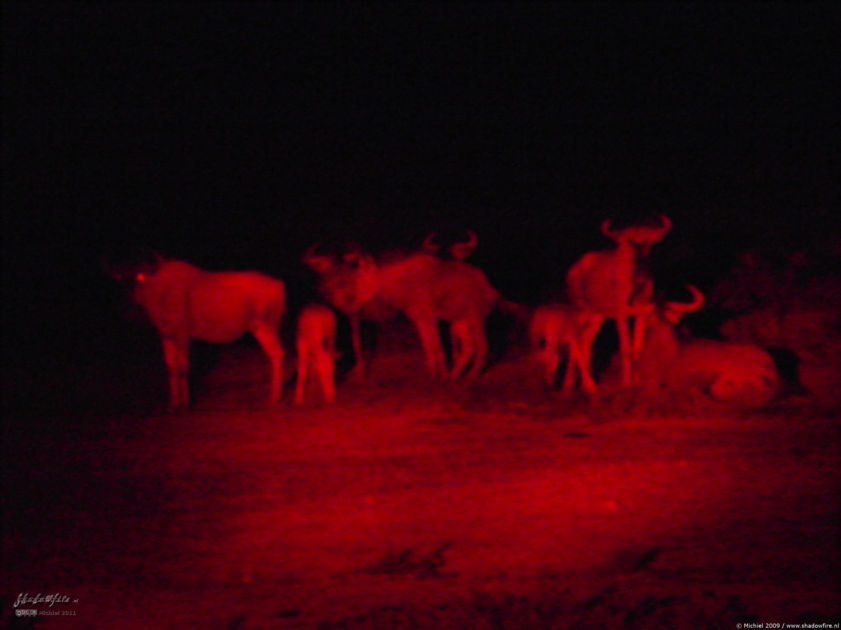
point(412, 503)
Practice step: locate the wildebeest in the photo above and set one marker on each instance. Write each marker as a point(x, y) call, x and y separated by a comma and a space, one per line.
point(186, 302)
point(738, 373)
point(423, 287)
point(316, 346)
point(608, 283)
point(554, 327)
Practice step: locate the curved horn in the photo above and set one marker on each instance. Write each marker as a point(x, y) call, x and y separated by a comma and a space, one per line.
point(352, 252)
point(460, 251)
point(318, 262)
point(606, 230)
point(697, 297)
point(353, 257)
point(429, 245)
point(665, 225)
point(673, 311)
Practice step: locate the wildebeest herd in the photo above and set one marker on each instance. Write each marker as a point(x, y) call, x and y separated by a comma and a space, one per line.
point(434, 284)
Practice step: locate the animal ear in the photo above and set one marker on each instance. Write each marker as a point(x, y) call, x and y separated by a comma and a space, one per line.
point(429, 245)
point(608, 231)
point(665, 224)
point(463, 249)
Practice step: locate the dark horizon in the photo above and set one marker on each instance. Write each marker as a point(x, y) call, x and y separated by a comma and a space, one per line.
point(235, 135)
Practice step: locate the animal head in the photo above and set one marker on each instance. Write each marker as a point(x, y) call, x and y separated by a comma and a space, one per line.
point(134, 269)
point(639, 237)
point(347, 277)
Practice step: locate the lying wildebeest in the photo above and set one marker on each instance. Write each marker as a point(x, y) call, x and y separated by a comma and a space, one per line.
point(737, 373)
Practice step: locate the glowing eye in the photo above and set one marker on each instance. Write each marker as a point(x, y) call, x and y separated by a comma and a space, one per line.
point(140, 277)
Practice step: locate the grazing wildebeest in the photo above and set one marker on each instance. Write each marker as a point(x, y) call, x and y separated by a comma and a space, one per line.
point(553, 327)
point(607, 283)
point(316, 346)
point(185, 302)
point(422, 286)
point(337, 285)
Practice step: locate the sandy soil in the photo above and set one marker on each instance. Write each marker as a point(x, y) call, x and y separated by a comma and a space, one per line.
point(412, 503)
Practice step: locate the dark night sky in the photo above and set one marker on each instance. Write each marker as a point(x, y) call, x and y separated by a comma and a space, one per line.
point(234, 135)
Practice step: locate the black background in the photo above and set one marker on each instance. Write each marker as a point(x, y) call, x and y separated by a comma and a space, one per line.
point(234, 135)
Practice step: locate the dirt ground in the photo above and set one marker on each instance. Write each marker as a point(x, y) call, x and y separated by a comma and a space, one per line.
point(412, 503)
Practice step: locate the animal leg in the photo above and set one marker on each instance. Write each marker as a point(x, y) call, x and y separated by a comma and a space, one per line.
point(176, 356)
point(551, 360)
point(267, 338)
point(325, 369)
point(588, 336)
point(480, 350)
point(431, 342)
point(301, 381)
point(639, 336)
point(358, 370)
point(462, 343)
point(625, 350)
point(576, 359)
point(571, 365)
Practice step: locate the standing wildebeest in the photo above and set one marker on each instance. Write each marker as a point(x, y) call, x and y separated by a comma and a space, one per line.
point(464, 297)
point(422, 286)
point(185, 302)
point(607, 283)
point(316, 346)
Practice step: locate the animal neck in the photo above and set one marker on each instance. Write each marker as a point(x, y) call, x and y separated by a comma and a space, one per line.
point(624, 263)
point(660, 337)
point(367, 283)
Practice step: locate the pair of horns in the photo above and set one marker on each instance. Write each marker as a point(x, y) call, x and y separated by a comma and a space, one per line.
point(459, 251)
point(318, 262)
point(322, 263)
point(665, 226)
